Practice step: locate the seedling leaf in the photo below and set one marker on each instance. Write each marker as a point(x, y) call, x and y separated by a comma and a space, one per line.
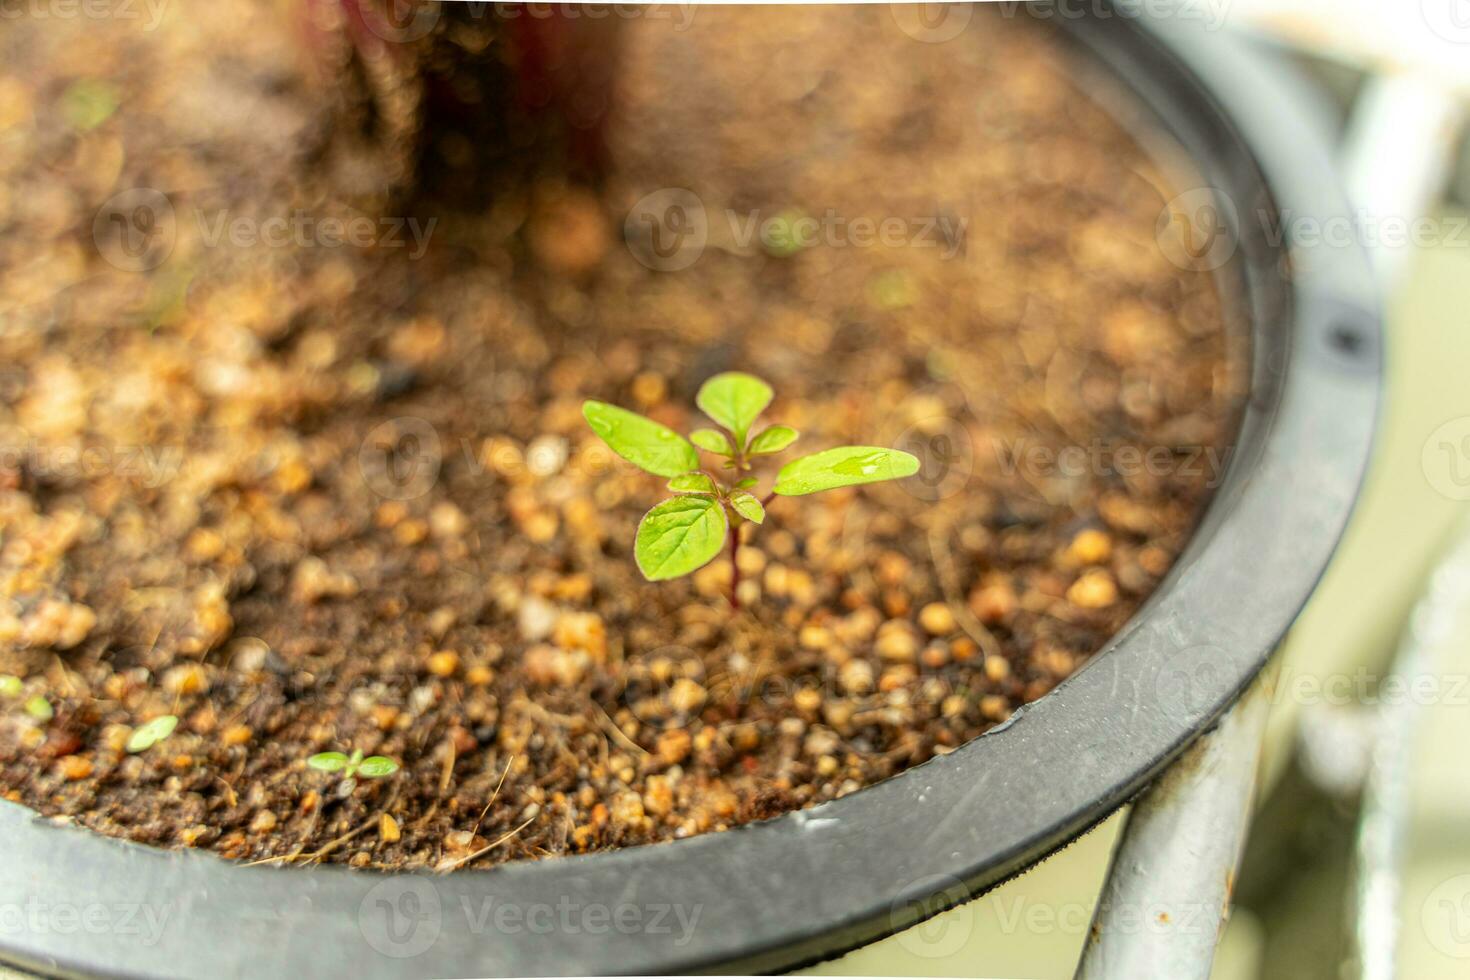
point(712, 440)
point(692, 483)
point(10, 685)
point(747, 506)
point(88, 103)
point(734, 400)
point(746, 483)
point(781, 237)
point(843, 467)
point(772, 440)
point(376, 767)
point(40, 709)
point(328, 761)
point(678, 536)
point(155, 731)
point(640, 440)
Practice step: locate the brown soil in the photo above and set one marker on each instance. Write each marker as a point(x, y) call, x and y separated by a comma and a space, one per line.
point(467, 603)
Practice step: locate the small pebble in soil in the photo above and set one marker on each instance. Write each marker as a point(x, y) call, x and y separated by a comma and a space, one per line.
point(1091, 547)
point(445, 663)
point(937, 619)
point(1094, 590)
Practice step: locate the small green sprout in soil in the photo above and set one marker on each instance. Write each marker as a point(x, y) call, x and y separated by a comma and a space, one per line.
point(686, 532)
point(150, 734)
point(88, 103)
point(40, 709)
point(373, 767)
point(10, 685)
point(782, 237)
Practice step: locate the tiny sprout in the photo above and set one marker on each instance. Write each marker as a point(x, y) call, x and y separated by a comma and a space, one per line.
point(373, 767)
point(782, 236)
point(40, 709)
point(88, 103)
point(686, 532)
point(150, 734)
point(10, 685)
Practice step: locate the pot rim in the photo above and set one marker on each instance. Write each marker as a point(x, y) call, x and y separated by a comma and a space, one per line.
point(812, 884)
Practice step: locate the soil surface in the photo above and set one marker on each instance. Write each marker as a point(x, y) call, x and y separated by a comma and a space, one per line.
point(309, 496)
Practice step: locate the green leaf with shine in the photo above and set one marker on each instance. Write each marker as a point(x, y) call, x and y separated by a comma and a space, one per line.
point(843, 467)
point(692, 483)
point(149, 735)
point(376, 767)
point(734, 400)
point(678, 536)
point(640, 440)
point(772, 440)
point(746, 483)
point(712, 440)
point(747, 506)
point(328, 761)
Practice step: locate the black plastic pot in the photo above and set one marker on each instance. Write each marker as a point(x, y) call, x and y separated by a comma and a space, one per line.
point(810, 885)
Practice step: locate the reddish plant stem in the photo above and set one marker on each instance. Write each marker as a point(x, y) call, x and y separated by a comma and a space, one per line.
point(734, 566)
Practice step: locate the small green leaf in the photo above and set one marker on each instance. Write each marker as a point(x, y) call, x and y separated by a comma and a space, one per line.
point(772, 440)
point(747, 506)
point(376, 767)
point(678, 536)
point(88, 102)
point(843, 467)
point(781, 237)
point(692, 483)
point(712, 440)
point(10, 685)
point(893, 290)
point(328, 761)
point(155, 731)
point(40, 709)
point(640, 440)
point(734, 400)
point(746, 483)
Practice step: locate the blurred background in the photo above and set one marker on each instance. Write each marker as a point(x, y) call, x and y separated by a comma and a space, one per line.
point(1393, 78)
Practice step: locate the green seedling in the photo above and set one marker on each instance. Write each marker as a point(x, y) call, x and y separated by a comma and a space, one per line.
point(373, 767)
point(686, 532)
point(782, 236)
point(10, 685)
point(40, 709)
point(146, 736)
point(88, 103)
